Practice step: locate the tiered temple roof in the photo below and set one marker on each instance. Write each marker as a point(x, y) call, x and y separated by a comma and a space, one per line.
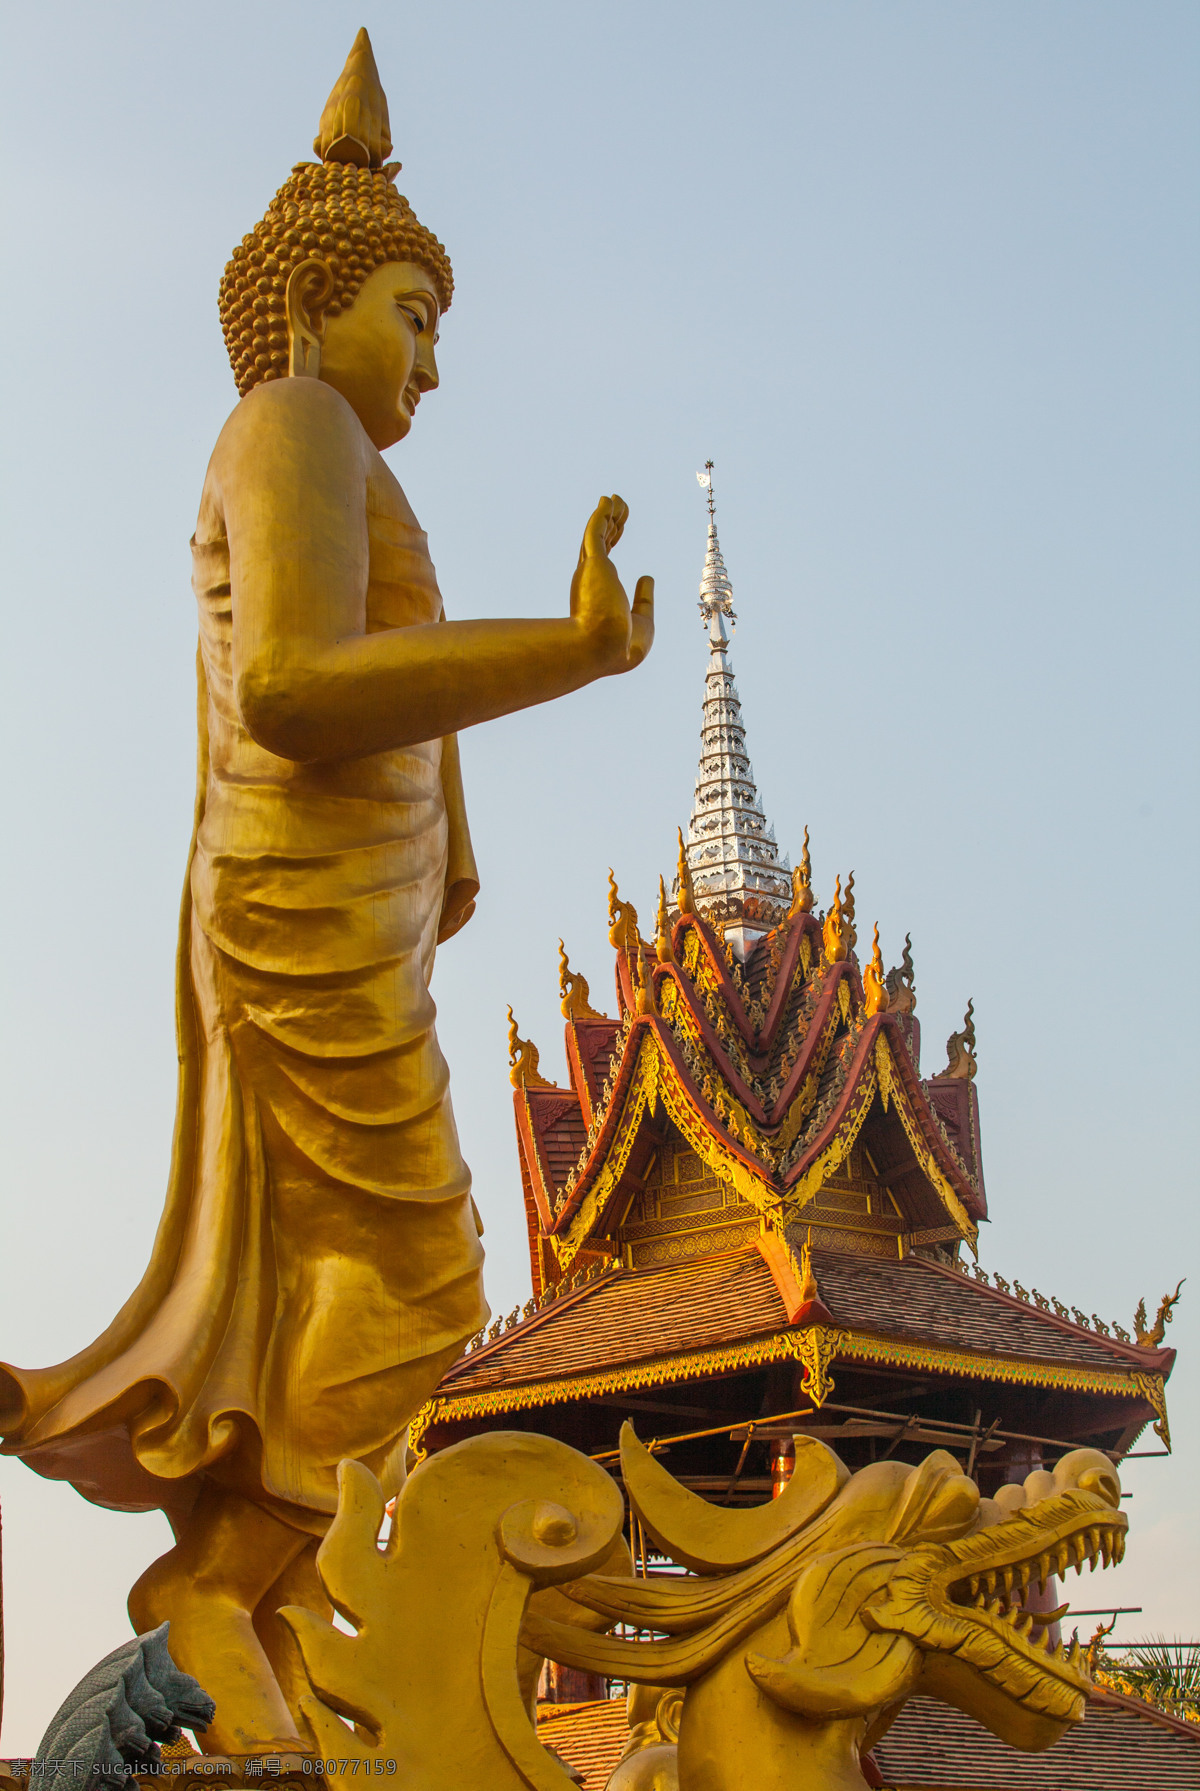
point(752, 1213)
point(748, 1179)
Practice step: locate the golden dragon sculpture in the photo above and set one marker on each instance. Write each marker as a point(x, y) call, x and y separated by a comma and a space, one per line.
point(783, 1650)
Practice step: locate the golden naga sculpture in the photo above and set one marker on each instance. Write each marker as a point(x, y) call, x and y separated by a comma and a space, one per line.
point(900, 982)
point(797, 1632)
point(961, 1062)
point(623, 932)
point(875, 988)
point(835, 934)
point(802, 889)
point(685, 888)
point(1152, 1336)
point(573, 991)
point(662, 926)
point(848, 912)
point(317, 1266)
point(523, 1059)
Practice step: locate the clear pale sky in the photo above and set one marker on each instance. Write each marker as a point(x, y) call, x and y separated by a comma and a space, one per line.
point(921, 278)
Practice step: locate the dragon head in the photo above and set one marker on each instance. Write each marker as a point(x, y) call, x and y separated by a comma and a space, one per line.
point(803, 1625)
point(918, 1575)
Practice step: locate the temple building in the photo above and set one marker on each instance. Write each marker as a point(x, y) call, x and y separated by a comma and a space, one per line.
point(753, 1211)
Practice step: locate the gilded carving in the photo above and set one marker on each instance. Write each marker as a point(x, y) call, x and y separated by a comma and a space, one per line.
point(816, 1347)
point(802, 1625)
point(523, 1059)
point(573, 991)
point(1152, 1336)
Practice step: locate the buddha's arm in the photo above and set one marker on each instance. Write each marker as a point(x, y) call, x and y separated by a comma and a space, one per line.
point(290, 475)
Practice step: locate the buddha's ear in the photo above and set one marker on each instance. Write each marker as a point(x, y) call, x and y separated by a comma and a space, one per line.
point(308, 291)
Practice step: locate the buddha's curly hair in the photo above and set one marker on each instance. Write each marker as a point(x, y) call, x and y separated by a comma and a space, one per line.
point(354, 220)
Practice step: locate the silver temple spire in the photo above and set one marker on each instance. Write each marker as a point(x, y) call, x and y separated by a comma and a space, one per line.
point(738, 875)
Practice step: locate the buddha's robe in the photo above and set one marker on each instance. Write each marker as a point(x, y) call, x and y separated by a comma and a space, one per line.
point(319, 1249)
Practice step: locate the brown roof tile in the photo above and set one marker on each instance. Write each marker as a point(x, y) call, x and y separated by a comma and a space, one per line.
point(1118, 1743)
point(930, 1745)
point(917, 1299)
point(627, 1317)
point(630, 1317)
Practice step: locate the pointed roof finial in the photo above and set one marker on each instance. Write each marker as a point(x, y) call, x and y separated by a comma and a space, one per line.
point(662, 934)
point(683, 880)
point(573, 990)
point(848, 912)
point(834, 932)
point(802, 890)
point(874, 987)
point(354, 125)
point(961, 1063)
point(523, 1069)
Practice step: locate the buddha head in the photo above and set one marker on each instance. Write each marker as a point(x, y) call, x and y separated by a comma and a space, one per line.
point(340, 280)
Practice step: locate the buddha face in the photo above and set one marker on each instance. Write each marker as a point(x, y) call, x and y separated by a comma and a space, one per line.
point(378, 353)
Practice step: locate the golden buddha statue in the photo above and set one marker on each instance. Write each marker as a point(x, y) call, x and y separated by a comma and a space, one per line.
point(318, 1263)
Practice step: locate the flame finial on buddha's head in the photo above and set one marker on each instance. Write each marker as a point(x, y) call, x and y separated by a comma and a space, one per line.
point(354, 125)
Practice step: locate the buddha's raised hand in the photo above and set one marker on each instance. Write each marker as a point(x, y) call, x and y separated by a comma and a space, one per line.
point(622, 633)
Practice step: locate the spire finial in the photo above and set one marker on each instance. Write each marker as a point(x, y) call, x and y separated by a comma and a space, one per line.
point(716, 591)
point(706, 480)
point(354, 125)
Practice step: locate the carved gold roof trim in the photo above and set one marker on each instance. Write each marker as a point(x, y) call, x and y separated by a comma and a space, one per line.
point(523, 1060)
point(655, 1077)
point(877, 999)
point(573, 991)
point(815, 1347)
point(802, 890)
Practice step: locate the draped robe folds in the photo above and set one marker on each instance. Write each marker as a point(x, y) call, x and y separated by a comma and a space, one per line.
point(319, 1244)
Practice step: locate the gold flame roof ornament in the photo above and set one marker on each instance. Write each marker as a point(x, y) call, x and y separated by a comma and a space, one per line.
point(739, 877)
